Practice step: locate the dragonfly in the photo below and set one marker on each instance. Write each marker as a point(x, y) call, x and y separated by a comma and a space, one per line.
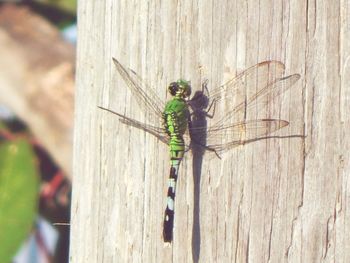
point(174, 122)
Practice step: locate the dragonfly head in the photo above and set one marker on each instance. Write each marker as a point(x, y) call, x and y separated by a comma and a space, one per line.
point(180, 88)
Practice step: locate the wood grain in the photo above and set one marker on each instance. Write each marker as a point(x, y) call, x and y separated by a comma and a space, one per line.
point(276, 200)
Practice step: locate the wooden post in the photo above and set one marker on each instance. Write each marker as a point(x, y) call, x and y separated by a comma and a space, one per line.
point(276, 200)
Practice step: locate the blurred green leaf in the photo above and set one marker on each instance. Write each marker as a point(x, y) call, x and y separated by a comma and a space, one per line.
point(69, 5)
point(19, 185)
point(57, 12)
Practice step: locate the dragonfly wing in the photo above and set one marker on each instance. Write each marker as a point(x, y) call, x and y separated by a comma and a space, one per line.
point(155, 131)
point(272, 90)
point(145, 96)
point(261, 97)
point(263, 72)
point(227, 137)
point(158, 132)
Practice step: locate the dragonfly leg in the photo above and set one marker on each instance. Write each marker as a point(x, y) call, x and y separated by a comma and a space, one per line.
point(211, 104)
point(205, 85)
point(213, 150)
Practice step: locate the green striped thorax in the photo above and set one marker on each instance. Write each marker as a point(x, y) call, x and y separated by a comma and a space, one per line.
point(176, 113)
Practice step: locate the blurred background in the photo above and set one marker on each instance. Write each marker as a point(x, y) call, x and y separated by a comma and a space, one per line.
point(37, 59)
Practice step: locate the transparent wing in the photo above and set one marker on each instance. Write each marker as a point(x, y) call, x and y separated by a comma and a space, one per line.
point(229, 125)
point(229, 136)
point(158, 132)
point(258, 75)
point(145, 96)
point(262, 97)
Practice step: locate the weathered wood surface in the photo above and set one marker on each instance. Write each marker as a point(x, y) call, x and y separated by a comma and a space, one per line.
point(277, 200)
point(37, 79)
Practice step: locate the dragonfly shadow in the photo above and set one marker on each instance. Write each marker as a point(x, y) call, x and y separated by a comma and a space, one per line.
point(199, 141)
point(199, 115)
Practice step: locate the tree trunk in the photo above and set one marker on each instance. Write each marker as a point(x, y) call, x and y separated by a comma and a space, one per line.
point(281, 199)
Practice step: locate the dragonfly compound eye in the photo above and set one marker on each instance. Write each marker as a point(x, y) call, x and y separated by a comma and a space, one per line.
point(173, 88)
point(184, 87)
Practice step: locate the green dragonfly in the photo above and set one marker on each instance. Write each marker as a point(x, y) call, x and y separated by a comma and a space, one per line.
point(175, 123)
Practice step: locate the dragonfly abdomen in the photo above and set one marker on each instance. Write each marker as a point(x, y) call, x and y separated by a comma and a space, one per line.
point(175, 122)
point(169, 210)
